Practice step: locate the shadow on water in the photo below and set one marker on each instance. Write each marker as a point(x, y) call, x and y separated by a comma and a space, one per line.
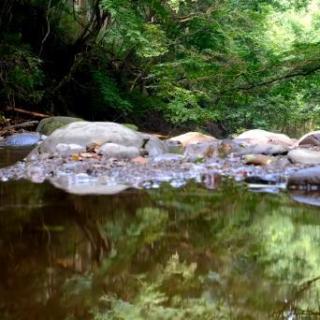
point(9, 156)
point(188, 253)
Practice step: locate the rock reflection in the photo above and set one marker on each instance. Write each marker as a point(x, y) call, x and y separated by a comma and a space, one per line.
point(211, 181)
point(307, 197)
point(83, 184)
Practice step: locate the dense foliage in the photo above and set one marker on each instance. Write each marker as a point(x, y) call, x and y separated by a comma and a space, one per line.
point(229, 64)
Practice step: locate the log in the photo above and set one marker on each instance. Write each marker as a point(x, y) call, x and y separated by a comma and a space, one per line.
point(30, 113)
point(19, 125)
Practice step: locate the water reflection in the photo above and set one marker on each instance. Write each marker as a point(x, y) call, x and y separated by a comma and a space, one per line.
point(310, 197)
point(231, 251)
point(9, 156)
point(188, 253)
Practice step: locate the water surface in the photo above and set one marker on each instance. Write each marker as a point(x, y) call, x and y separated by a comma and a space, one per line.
point(188, 253)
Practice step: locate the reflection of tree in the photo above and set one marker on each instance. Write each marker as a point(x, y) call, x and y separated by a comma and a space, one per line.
point(225, 232)
point(242, 252)
point(94, 212)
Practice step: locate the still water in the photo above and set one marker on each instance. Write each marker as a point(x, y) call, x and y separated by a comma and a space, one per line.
point(187, 253)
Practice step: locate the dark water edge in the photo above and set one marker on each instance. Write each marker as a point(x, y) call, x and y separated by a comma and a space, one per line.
point(9, 156)
point(187, 253)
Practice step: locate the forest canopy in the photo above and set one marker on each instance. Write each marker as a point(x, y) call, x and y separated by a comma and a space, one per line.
point(224, 65)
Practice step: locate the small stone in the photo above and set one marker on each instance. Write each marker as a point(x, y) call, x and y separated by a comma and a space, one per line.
point(113, 150)
point(139, 160)
point(65, 150)
point(201, 150)
point(257, 159)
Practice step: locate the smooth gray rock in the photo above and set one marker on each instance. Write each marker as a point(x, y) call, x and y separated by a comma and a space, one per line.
point(311, 138)
point(85, 133)
point(304, 156)
point(113, 150)
point(258, 136)
point(65, 150)
point(240, 148)
point(174, 146)
point(21, 139)
point(154, 146)
point(201, 150)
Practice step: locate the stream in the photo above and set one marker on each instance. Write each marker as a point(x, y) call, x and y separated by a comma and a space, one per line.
point(164, 253)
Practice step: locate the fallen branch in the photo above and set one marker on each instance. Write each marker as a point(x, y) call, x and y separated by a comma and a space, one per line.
point(30, 113)
point(20, 125)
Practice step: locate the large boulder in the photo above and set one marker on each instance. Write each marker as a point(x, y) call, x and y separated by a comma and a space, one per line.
point(258, 136)
point(305, 177)
point(304, 156)
point(311, 138)
point(86, 133)
point(48, 125)
point(192, 138)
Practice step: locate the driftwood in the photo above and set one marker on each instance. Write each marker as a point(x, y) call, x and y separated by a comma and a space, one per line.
point(17, 126)
point(30, 113)
point(21, 125)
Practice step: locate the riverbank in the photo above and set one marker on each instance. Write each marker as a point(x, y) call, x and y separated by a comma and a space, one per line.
point(106, 158)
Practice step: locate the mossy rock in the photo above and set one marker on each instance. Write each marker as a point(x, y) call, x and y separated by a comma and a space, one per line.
point(131, 126)
point(48, 125)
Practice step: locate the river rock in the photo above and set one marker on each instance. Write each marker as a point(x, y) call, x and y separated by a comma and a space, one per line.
point(257, 159)
point(48, 125)
point(192, 137)
point(311, 138)
point(66, 150)
point(174, 146)
point(154, 146)
point(201, 150)
point(85, 133)
point(241, 148)
point(114, 150)
point(168, 157)
point(303, 177)
point(21, 139)
point(304, 156)
point(258, 136)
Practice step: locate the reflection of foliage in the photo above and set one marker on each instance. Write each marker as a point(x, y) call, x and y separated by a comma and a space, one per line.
point(151, 302)
point(229, 239)
point(290, 252)
point(173, 254)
